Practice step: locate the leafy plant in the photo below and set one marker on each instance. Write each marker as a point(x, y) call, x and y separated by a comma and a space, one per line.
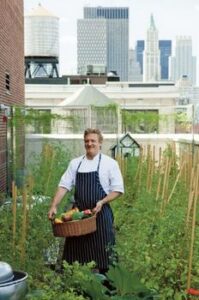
point(118, 284)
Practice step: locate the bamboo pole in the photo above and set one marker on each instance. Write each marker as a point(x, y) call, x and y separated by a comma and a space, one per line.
point(191, 159)
point(191, 194)
point(148, 166)
point(14, 215)
point(140, 173)
point(148, 173)
point(159, 185)
point(176, 181)
point(152, 170)
point(165, 184)
point(30, 191)
point(49, 172)
point(160, 156)
point(193, 228)
point(139, 164)
point(24, 227)
point(159, 173)
point(173, 154)
point(165, 178)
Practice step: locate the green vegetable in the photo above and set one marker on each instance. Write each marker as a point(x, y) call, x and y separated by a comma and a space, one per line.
point(77, 215)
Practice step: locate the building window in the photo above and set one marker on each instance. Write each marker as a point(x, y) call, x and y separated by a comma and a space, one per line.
point(7, 82)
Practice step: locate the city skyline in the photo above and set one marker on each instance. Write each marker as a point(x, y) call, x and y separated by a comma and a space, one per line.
point(170, 22)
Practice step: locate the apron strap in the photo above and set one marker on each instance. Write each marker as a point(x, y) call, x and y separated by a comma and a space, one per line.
point(100, 156)
point(80, 164)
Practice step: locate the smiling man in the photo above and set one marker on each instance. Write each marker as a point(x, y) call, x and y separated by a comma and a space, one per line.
point(97, 180)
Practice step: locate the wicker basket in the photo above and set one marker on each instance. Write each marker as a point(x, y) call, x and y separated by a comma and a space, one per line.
point(75, 228)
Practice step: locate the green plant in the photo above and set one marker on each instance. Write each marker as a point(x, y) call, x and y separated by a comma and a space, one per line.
point(47, 168)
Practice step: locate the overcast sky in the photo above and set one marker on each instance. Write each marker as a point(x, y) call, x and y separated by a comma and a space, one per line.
point(172, 18)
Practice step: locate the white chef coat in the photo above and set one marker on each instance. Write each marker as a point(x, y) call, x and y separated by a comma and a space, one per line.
point(109, 173)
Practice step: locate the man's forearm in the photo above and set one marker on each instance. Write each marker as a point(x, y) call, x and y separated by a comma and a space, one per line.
point(110, 197)
point(58, 196)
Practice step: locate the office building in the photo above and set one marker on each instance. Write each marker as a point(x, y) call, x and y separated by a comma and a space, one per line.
point(104, 32)
point(183, 63)
point(91, 44)
point(134, 67)
point(165, 47)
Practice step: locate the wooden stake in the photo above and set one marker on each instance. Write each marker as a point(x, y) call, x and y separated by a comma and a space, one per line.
point(49, 173)
point(152, 170)
point(165, 178)
point(14, 215)
point(160, 156)
point(193, 228)
point(160, 174)
point(191, 195)
point(159, 185)
point(148, 165)
point(139, 164)
point(176, 181)
point(140, 174)
point(24, 227)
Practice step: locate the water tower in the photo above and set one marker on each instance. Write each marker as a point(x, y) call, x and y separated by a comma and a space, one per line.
point(41, 44)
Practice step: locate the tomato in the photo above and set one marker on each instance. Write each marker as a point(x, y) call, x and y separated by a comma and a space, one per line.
point(193, 292)
point(87, 212)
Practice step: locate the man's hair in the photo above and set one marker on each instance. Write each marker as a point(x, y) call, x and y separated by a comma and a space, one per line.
point(95, 131)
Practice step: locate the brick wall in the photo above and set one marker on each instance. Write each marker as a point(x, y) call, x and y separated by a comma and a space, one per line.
point(12, 69)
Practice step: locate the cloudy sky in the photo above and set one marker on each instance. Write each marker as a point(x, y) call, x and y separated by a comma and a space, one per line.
point(172, 18)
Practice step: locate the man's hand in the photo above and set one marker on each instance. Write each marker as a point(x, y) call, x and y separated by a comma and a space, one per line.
point(56, 200)
point(110, 197)
point(98, 206)
point(52, 212)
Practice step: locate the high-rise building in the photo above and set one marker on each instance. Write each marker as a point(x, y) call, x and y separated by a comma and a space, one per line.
point(91, 44)
point(134, 67)
point(165, 47)
point(183, 63)
point(151, 56)
point(104, 31)
point(139, 49)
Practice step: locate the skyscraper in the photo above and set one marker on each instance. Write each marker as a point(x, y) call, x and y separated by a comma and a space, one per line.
point(183, 63)
point(108, 29)
point(165, 53)
point(91, 44)
point(165, 47)
point(139, 49)
point(134, 67)
point(151, 58)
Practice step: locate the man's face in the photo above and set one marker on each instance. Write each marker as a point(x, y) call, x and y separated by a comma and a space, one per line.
point(92, 144)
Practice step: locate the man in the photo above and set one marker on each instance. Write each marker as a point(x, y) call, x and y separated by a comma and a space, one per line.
point(97, 180)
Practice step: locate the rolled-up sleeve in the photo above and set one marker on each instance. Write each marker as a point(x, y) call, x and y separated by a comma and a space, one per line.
point(68, 178)
point(115, 177)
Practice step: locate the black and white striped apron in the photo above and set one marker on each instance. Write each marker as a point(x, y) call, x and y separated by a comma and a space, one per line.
point(96, 246)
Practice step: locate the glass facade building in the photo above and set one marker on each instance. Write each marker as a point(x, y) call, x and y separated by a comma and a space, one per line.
point(165, 47)
point(115, 38)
